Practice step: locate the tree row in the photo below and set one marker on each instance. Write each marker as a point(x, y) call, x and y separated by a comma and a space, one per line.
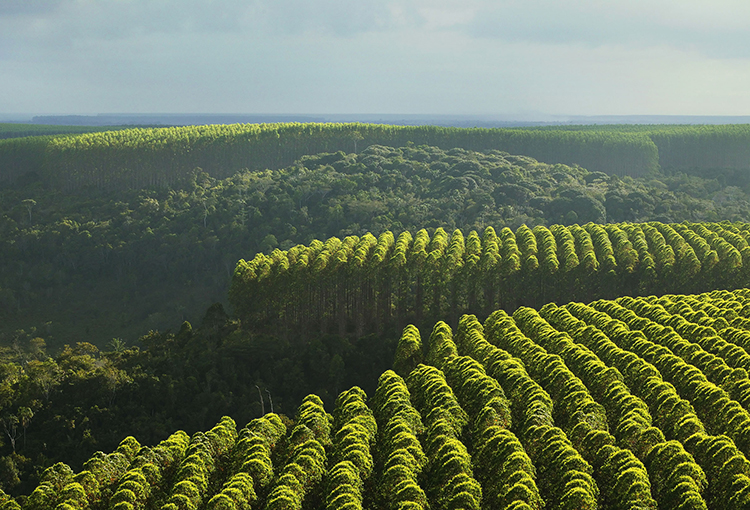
point(367, 283)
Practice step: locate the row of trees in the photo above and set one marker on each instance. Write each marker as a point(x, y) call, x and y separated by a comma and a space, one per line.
point(629, 417)
point(620, 475)
point(400, 454)
point(364, 283)
point(719, 413)
point(161, 157)
point(630, 404)
point(501, 464)
point(562, 475)
point(673, 413)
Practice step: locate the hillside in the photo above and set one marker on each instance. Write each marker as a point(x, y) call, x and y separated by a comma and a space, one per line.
point(154, 257)
point(165, 157)
point(273, 351)
point(363, 284)
point(632, 403)
point(116, 242)
point(19, 130)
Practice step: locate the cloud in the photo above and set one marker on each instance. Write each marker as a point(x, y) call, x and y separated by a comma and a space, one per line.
point(717, 29)
point(379, 56)
point(15, 8)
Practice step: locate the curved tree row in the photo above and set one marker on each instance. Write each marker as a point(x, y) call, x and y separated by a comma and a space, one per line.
point(725, 467)
point(563, 476)
point(367, 283)
point(634, 403)
point(401, 456)
point(351, 458)
point(250, 470)
point(302, 473)
point(500, 461)
point(717, 410)
point(619, 474)
point(165, 156)
point(630, 418)
point(448, 473)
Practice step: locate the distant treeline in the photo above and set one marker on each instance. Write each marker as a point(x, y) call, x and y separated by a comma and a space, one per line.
point(17, 130)
point(163, 157)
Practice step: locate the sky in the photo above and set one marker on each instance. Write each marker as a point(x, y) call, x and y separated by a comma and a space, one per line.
point(467, 57)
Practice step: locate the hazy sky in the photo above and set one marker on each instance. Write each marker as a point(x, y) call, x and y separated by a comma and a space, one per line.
point(595, 57)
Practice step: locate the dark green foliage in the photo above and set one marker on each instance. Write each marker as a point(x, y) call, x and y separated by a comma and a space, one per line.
point(130, 246)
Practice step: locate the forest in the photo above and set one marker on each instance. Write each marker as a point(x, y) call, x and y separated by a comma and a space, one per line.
point(154, 257)
point(364, 316)
point(164, 157)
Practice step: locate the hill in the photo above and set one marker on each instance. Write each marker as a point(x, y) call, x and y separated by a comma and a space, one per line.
point(154, 257)
point(165, 157)
point(632, 403)
point(363, 284)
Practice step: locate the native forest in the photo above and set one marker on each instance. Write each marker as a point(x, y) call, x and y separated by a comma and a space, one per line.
point(304, 316)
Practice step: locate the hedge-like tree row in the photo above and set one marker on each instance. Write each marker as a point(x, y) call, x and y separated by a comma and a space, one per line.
point(718, 412)
point(401, 456)
point(563, 476)
point(367, 283)
point(251, 468)
point(500, 461)
point(724, 465)
point(352, 460)
point(149, 475)
point(306, 458)
point(164, 156)
point(688, 340)
point(449, 475)
point(198, 470)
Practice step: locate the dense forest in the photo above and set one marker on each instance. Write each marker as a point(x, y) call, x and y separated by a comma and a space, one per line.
point(155, 257)
point(164, 157)
point(388, 336)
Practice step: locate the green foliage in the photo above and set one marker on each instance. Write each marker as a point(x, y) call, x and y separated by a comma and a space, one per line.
point(164, 155)
point(408, 351)
point(438, 276)
point(574, 406)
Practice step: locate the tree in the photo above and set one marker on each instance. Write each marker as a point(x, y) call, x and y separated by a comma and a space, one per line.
point(10, 425)
point(356, 136)
point(44, 374)
point(25, 414)
point(117, 345)
point(29, 204)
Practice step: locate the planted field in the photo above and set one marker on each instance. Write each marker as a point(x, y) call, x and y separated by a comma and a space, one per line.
point(632, 403)
point(367, 283)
